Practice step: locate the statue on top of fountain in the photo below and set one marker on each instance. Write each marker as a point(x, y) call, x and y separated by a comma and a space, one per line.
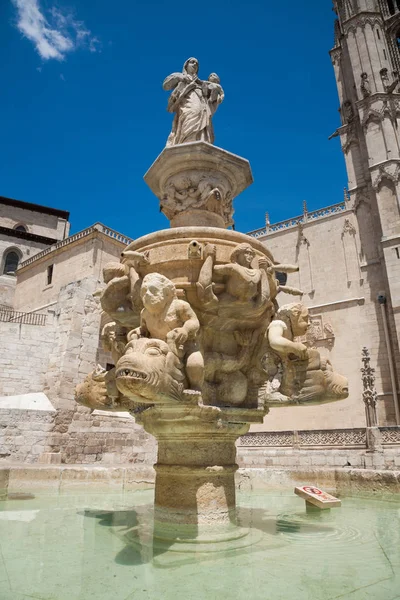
point(194, 102)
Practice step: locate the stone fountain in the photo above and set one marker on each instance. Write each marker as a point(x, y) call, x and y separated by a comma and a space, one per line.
point(200, 346)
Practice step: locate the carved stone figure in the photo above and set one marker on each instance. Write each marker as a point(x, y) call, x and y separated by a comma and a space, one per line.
point(114, 340)
point(173, 321)
point(194, 102)
point(243, 284)
point(99, 392)
point(198, 190)
point(150, 373)
point(213, 91)
point(365, 85)
point(348, 112)
point(114, 299)
point(306, 377)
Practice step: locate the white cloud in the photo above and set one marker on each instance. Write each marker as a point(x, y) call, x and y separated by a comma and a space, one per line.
point(54, 34)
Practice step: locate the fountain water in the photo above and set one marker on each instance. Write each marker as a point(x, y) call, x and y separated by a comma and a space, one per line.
point(200, 346)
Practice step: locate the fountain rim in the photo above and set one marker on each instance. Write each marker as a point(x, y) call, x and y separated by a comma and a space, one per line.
point(193, 232)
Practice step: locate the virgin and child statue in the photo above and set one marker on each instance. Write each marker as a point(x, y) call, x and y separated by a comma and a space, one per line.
point(194, 102)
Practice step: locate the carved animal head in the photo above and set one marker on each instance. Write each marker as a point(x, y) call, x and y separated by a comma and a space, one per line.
point(337, 385)
point(150, 373)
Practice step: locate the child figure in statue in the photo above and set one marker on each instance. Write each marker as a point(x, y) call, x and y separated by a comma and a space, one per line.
point(307, 377)
point(213, 91)
point(167, 318)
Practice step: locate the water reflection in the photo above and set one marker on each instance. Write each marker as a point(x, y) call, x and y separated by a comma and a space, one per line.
point(94, 546)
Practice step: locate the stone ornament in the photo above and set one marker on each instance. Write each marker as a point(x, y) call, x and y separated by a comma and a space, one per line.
point(365, 86)
point(297, 374)
point(223, 345)
point(194, 102)
point(197, 190)
point(201, 348)
point(197, 183)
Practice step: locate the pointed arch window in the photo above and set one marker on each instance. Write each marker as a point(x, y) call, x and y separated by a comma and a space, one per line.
point(11, 261)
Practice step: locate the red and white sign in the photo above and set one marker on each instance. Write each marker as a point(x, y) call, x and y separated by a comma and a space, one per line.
point(317, 497)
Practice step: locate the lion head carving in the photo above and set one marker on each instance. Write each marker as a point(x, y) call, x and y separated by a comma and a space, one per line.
point(150, 373)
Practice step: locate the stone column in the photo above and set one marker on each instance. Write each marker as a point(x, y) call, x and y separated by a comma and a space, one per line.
point(195, 472)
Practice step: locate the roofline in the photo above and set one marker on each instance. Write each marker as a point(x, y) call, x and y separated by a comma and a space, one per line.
point(25, 235)
point(63, 214)
point(93, 229)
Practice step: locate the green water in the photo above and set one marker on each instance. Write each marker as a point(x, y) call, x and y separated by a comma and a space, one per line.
point(78, 546)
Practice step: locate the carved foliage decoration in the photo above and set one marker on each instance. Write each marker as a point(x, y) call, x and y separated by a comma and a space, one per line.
point(369, 395)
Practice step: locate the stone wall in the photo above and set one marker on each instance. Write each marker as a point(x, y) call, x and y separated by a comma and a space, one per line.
point(341, 288)
point(24, 434)
point(25, 355)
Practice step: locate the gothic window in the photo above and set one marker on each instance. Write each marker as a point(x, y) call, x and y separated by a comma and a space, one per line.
point(10, 263)
point(378, 34)
point(391, 6)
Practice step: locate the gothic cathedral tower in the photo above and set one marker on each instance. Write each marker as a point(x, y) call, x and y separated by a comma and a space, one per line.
point(366, 60)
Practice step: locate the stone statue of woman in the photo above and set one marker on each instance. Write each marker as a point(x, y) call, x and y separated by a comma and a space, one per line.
point(194, 102)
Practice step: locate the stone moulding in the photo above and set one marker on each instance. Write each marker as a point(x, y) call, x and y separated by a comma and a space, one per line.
point(315, 215)
point(324, 438)
point(197, 182)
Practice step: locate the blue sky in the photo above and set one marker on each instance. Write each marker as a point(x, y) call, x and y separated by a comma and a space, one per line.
point(83, 114)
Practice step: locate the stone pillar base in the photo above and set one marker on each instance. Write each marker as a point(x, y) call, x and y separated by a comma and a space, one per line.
point(195, 474)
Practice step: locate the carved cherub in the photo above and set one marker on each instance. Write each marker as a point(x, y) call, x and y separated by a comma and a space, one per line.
point(114, 340)
point(306, 377)
point(213, 91)
point(165, 317)
point(292, 320)
point(114, 299)
point(134, 262)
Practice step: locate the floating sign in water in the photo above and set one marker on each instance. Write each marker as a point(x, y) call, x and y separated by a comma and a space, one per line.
point(317, 497)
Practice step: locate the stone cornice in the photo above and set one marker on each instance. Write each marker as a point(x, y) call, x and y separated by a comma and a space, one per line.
point(25, 235)
point(96, 230)
point(361, 19)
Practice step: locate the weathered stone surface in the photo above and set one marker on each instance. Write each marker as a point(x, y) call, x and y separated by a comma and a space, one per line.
point(194, 102)
point(197, 182)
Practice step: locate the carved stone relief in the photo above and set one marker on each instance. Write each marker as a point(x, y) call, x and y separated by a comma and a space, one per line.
point(197, 190)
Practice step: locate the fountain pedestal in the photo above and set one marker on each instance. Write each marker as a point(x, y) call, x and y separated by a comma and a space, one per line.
point(195, 472)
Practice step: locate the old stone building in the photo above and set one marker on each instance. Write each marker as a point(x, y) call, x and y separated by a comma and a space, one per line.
point(349, 254)
point(25, 230)
point(50, 336)
point(349, 270)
